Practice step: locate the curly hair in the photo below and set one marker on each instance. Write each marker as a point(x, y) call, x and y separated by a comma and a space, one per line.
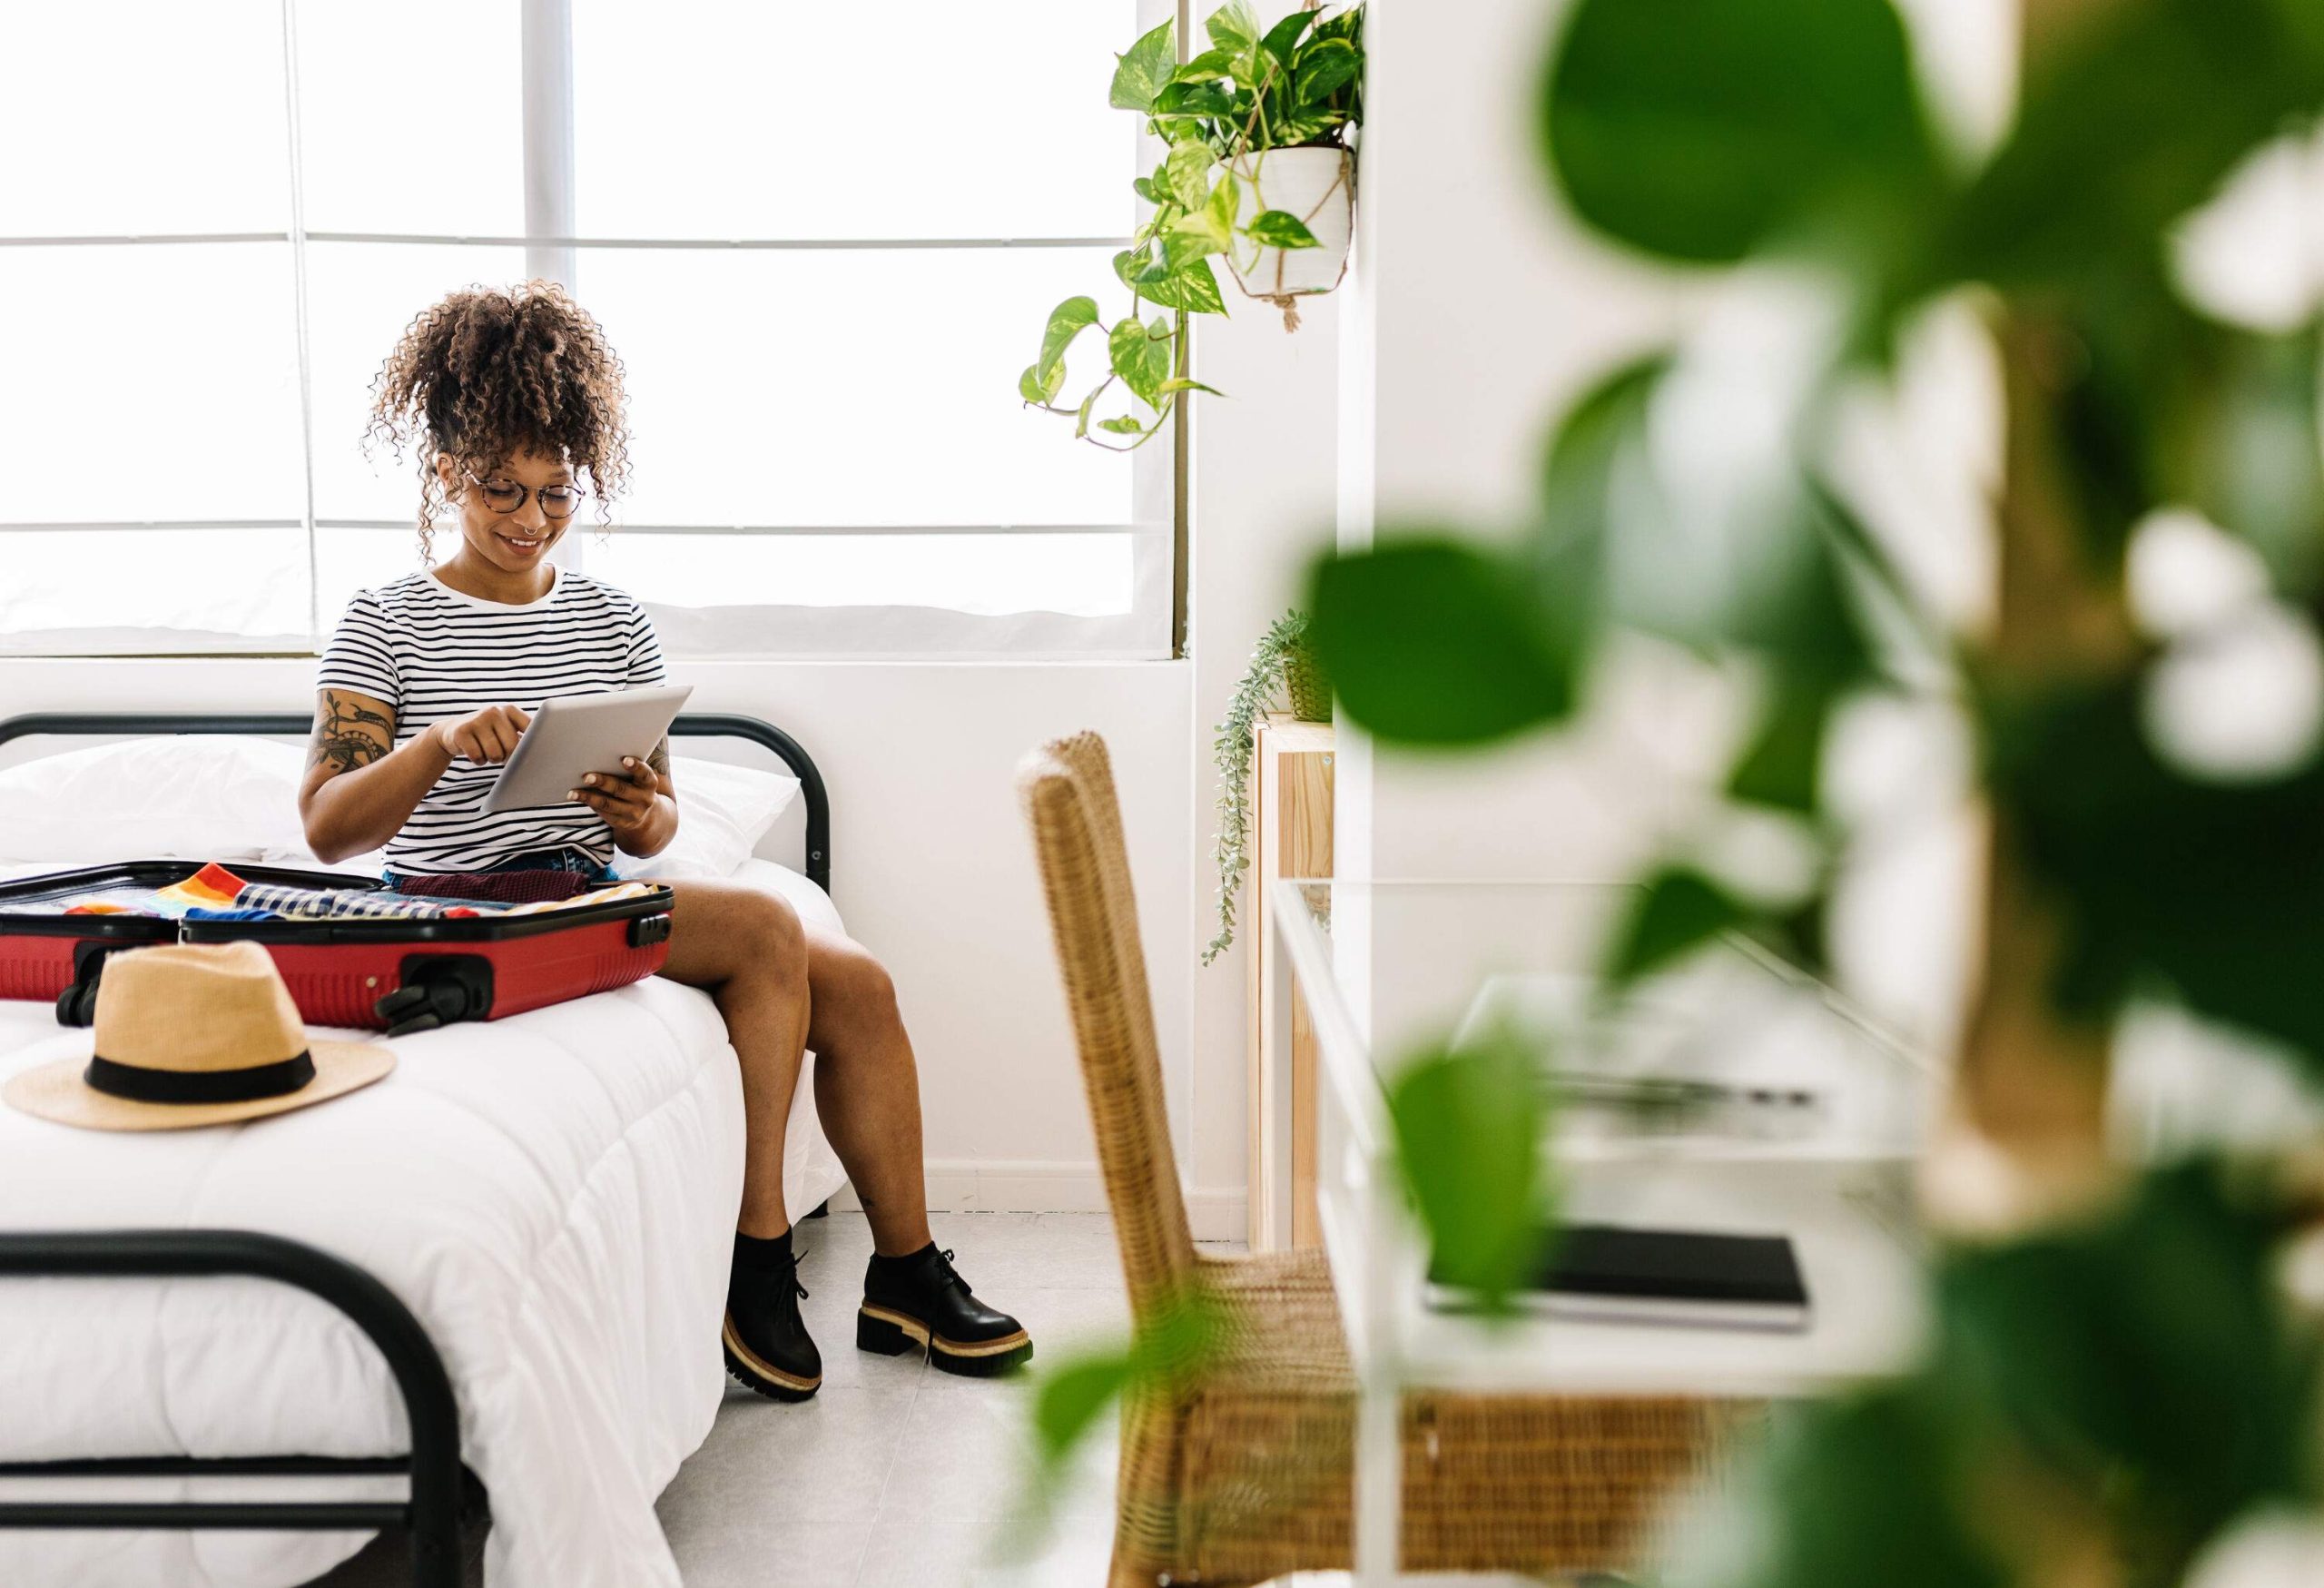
point(485, 374)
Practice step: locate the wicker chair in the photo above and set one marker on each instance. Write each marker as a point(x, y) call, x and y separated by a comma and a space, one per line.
point(1245, 1471)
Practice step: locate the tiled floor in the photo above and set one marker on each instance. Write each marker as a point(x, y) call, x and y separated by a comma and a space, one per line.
point(894, 1474)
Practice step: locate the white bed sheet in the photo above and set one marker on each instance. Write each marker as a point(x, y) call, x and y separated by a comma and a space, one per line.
point(552, 1194)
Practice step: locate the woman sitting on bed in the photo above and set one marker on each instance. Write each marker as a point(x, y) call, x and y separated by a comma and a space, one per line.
point(512, 400)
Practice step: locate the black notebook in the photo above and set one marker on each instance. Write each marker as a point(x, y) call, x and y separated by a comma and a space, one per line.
point(1615, 1273)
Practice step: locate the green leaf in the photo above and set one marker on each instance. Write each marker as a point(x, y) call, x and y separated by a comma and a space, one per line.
point(2207, 889)
point(1146, 190)
point(1081, 418)
point(1206, 67)
point(1348, 25)
point(1206, 231)
point(2251, 464)
point(1145, 69)
point(1468, 1127)
point(1067, 321)
point(1234, 27)
point(1600, 434)
point(1781, 767)
point(1179, 249)
point(1072, 1398)
point(1282, 39)
point(1219, 213)
point(1288, 127)
point(1181, 101)
point(1123, 426)
point(1432, 641)
point(1863, 1490)
point(1281, 229)
point(1038, 385)
point(1183, 247)
point(1760, 571)
point(1323, 69)
point(1702, 129)
point(1680, 910)
point(2144, 1355)
point(1168, 387)
point(1187, 173)
point(1192, 288)
point(1141, 360)
point(2125, 126)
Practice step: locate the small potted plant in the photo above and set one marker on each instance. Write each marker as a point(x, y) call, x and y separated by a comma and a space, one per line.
point(1258, 173)
point(1282, 663)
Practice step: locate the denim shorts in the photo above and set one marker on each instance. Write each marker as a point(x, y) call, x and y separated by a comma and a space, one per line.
point(587, 867)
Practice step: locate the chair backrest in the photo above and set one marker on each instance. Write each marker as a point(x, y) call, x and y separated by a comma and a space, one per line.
point(1068, 788)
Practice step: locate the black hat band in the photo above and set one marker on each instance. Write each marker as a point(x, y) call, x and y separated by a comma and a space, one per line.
point(141, 1083)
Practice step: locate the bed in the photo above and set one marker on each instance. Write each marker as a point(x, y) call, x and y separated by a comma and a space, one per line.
point(541, 1209)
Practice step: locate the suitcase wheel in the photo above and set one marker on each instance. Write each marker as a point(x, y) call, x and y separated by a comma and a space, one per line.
point(438, 990)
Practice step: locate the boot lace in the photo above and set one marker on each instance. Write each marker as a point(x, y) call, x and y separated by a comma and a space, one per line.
point(949, 1275)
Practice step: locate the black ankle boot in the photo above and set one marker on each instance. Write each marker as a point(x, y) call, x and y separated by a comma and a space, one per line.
point(919, 1300)
point(767, 1347)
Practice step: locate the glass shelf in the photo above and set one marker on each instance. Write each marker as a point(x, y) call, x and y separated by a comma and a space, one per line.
point(1730, 1092)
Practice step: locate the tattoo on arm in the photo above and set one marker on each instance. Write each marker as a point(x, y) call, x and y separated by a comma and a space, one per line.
point(349, 734)
point(660, 758)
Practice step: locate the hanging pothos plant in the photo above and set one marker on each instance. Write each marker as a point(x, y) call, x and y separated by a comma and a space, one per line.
point(1281, 663)
point(1297, 84)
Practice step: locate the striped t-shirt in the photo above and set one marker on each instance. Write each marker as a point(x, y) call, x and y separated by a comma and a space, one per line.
point(433, 653)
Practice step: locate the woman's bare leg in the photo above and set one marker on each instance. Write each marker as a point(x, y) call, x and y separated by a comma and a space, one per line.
point(867, 1088)
point(783, 989)
point(748, 950)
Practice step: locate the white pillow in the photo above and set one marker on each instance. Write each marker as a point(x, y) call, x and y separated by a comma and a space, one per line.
point(230, 796)
point(188, 797)
point(723, 813)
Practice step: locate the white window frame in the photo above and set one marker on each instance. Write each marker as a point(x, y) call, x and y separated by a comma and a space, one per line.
point(1151, 629)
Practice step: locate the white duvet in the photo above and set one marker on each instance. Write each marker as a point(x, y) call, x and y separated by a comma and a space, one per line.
point(553, 1195)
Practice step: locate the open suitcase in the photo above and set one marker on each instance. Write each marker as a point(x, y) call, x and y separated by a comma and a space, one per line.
point(395, 974)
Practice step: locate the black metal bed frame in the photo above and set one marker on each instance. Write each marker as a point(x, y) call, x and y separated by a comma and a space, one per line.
point(431, 1510)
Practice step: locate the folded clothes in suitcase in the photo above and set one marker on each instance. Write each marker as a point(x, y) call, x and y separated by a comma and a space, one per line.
point(396, 973)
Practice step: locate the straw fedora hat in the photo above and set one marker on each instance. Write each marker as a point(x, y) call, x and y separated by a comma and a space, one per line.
point(194, 1034)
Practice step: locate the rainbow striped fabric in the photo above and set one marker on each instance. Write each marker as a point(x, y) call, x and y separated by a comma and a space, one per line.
point(213, 887)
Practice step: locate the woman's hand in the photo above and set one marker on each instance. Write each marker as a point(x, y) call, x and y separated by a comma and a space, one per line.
point(488, 735)
point(629, 800)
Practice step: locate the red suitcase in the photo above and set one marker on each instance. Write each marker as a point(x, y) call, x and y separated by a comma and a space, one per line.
point(392, 973)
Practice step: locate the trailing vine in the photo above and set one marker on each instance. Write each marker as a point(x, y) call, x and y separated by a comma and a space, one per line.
point(1268, 673)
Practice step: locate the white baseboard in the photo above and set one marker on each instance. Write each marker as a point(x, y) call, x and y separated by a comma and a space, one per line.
point(973, 1185)
point(1218, 1214)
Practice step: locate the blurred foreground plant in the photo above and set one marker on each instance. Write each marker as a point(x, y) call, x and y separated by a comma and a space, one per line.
point(2117, 1375)
point(1071, 1399)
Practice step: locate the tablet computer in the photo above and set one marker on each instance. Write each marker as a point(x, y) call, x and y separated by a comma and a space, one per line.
point(577, 734)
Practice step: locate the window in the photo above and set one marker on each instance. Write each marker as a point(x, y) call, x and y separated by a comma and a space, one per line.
point(822, 240)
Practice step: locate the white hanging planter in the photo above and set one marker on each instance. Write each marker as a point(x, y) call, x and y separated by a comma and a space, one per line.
point(1318, 186)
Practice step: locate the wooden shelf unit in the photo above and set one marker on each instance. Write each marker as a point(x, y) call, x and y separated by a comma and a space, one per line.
point(1291, 836)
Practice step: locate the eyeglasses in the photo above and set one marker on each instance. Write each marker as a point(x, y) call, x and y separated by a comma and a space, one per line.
point(504, 497)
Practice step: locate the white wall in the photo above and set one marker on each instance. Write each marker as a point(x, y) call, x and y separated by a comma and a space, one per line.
point(1479, 313)
point(1476, 313)
point(1263, 459)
